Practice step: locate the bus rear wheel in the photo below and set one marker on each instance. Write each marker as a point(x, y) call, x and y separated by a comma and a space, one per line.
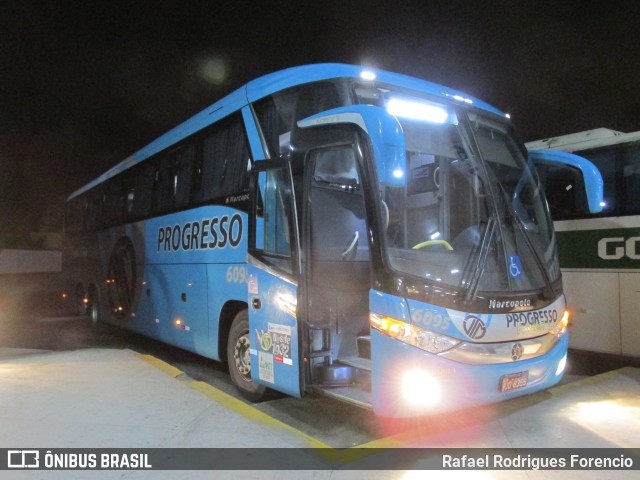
point(239, 359)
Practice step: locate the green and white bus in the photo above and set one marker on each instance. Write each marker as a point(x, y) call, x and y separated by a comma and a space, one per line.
point(599, 252)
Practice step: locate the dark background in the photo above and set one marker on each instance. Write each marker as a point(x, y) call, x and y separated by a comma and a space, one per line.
point(84, 84)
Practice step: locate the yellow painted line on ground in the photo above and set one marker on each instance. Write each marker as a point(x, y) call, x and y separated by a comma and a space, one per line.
point(159, 364)
point(250, 412)
point(232, 403)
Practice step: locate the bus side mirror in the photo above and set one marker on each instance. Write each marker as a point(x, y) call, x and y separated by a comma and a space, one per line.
point(587, 175)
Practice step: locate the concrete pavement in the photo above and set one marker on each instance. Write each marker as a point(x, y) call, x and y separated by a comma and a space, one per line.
point(109, 398)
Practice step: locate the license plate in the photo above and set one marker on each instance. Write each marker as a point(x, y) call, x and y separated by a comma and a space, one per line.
point(514, 381)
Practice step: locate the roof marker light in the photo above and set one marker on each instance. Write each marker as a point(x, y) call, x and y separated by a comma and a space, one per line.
point(367, 75)
point(459, 98)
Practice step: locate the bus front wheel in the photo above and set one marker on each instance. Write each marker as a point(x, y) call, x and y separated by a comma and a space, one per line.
point(239, 359)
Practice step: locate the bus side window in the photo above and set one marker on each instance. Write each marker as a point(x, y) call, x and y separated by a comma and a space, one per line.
point(275, 116)
point(276, 209)
point(631, 160)
point(144, 179)
point(166, 185)
point(564, 189)
point(181, 166)
point(225, 161)
point(278, 113)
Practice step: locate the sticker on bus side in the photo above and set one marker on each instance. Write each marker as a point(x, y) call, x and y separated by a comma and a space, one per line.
point(265, 367)
point(277, 340)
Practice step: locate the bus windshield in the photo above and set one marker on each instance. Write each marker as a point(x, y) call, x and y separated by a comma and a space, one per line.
point(471, 213)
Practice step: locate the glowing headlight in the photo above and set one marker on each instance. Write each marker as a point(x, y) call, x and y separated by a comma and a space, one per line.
point(420, 389)
point(410, 334)
point(562, 325)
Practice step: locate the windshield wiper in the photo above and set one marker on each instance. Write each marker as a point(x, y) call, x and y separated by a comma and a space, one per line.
point(515, 219)
point(483, 253)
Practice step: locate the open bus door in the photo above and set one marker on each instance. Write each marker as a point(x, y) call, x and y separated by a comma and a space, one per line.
point(310, 264)
point(273, 359)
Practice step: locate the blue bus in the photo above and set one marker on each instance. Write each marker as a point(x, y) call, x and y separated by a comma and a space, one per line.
point(333, 229)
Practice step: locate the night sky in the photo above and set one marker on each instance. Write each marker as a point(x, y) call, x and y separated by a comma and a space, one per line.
point(84, 84)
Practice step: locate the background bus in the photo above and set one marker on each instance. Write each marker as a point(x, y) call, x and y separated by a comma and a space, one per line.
point(600, 252)
point(334, 229)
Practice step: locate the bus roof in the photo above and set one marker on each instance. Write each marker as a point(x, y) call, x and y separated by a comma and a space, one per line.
point(274, 82)
point(575, 142)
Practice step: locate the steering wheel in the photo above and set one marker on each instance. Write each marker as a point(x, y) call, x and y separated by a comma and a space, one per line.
point(446, 244)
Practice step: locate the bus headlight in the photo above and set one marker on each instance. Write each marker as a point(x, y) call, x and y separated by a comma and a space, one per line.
point(426, 340)
point(420, 389)
point(562, 325)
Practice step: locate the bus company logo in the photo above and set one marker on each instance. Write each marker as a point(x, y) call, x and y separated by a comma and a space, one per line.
point(617, 247)
point(474, 327)
point(516, 352)
point(207, 234)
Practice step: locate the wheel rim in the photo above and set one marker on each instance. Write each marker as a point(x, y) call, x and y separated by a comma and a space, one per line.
point(242, 356)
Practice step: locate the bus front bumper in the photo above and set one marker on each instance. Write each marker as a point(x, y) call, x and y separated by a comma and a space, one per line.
point(408, 382)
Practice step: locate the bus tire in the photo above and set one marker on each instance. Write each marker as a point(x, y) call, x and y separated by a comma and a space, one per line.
point(239, 359)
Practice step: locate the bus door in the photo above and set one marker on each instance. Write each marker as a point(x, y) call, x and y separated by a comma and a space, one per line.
point(336, 263)
point(273, 279)
point(335, 279)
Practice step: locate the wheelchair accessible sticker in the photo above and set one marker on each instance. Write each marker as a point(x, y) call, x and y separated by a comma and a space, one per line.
point(515, 267)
